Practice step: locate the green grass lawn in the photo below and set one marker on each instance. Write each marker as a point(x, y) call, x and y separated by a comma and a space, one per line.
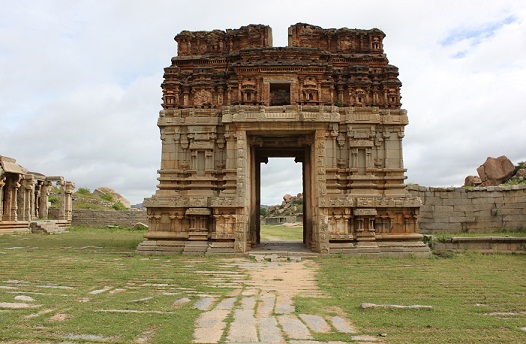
point(281, 233)
point(81, 278)
point(61, 272)
point(475, 298)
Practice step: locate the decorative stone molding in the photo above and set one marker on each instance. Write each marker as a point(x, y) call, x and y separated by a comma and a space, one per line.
point(330, 100)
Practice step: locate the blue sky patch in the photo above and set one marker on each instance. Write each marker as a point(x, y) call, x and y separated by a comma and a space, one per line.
point(476, 34)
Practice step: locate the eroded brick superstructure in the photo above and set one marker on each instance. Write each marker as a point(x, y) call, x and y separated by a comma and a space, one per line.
point(330, 99)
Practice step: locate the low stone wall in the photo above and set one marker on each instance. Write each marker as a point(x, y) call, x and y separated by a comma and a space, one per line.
point(122, 218)
point(478, 209)
point(482, 245)
point(277, 220)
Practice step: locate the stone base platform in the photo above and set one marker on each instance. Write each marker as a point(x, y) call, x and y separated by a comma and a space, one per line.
point(486, 244)
point(400, 249)
point(12, 227)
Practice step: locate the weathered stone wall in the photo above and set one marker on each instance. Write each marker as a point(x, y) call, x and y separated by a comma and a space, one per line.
point(478, 209)
point(482, 244)
point(89, 217)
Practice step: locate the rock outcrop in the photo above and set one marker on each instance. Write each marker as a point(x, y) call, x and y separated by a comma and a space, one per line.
point(291, 205)
point(472, 181)
point(116, 197)
point(495, 171)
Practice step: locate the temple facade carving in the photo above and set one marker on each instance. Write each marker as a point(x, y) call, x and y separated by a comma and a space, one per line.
point(330, 99)
point(24, 197)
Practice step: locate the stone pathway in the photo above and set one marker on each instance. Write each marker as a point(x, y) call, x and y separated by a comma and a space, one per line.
point(261, 308)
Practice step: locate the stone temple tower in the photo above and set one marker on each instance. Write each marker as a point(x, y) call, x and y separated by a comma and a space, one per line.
point(330, 99)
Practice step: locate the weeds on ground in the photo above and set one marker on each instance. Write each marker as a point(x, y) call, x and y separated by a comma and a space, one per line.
point(90, 285)
point(475, 298)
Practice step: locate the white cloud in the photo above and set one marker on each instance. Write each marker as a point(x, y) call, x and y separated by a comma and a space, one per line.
point(80, 95)
point(280, 176)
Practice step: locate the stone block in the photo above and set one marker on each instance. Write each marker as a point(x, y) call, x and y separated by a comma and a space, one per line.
point(446, 209)
point(462, 219)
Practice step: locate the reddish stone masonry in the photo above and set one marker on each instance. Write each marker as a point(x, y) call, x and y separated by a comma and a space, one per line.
point(344, 67)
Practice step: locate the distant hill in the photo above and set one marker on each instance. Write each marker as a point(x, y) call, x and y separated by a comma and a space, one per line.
point(83, 198)
point(291, 205)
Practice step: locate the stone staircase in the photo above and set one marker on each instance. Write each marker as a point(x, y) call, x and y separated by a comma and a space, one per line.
point(47, 227)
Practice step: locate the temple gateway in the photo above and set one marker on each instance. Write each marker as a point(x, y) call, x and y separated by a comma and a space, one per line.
point(330, 99)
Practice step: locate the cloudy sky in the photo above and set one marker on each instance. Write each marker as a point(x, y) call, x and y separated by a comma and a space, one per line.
point(80, 82)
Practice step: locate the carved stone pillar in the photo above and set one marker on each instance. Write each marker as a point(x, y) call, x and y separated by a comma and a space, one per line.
point(44, 199)
point(25, 198)
point(69, 187)
point(12, 196)
point(2, 184)
point(62, 202)
point(35, 200)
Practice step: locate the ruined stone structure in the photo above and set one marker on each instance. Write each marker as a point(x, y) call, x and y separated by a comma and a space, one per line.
point(24, 197)
point(473, 209)
point(331, 100)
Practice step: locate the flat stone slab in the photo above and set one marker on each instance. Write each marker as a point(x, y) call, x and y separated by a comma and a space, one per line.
point(142, 299)
point(373, 305)
point(210, 326)
point(137, 311)
point(342, 325)
point(293, 327)
point(364, 338)
point(266, 305)
point(204, 303)
point(100, 291)
point(181, 301)
point(269, 331)
point(284, 305)
point(227, 303)
point(24, 298)
point(248, 303)
point(316, 323)
point(89, 337)
point(17, 305)
point(243, 328)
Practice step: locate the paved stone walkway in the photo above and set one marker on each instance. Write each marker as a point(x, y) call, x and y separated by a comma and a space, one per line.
point(261, 308)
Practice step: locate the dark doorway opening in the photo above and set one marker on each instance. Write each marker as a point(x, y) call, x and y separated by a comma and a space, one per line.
point(279, 94)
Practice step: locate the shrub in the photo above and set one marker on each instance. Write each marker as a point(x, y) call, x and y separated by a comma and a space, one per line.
point(53, 199)
point(84, 191)
point(107, 197)
point(118, 206)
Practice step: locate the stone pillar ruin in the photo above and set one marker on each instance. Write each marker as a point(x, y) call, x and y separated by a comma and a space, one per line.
point(44, 199)
point(331, 100)
point(2, 184)
point(24, 197)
